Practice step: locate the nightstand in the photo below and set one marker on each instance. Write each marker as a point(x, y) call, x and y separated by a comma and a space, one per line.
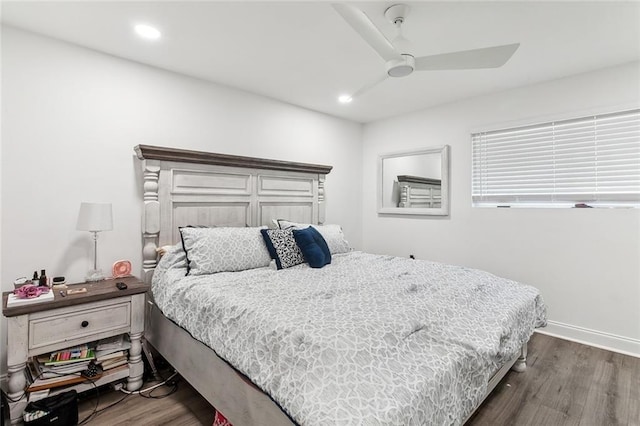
point(103, 311)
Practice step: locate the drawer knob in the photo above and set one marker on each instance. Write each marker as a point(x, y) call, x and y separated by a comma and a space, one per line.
point(84, 323)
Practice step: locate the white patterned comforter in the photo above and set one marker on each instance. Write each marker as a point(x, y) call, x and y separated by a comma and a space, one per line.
point(366, 340)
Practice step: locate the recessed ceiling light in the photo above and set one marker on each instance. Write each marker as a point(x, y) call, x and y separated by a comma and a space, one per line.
point(345, 99)
point(147, 31)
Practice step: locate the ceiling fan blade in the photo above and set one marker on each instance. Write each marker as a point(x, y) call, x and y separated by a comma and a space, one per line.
point(361, 91)
point(361, 23)
point(488, 57)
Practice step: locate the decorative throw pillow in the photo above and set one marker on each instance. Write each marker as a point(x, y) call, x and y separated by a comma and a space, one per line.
point(332, 234)
point(313, 247)
point(211, 250)
point(282, 247)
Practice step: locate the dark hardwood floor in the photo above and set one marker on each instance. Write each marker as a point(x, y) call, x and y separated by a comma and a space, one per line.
point(566, 383)
point(184, 407)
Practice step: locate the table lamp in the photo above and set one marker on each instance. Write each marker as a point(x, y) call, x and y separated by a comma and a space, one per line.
point(95, 217)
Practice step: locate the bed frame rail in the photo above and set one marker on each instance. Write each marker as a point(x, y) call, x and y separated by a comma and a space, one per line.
point(232, 394)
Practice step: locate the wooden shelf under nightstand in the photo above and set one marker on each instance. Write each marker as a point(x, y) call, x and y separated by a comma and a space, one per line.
point(103, 311)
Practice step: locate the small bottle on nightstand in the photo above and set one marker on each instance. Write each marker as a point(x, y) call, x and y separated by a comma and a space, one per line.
point(43, 278)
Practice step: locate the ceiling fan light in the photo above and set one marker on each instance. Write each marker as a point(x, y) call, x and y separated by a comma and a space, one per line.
point(147, 31)
point(400, 71)
point(401, 67)
point(345, 99)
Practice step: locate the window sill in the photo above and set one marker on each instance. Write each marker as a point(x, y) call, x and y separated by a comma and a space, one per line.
point(554, 206)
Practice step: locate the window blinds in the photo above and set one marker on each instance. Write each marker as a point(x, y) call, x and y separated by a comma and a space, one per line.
point(594, 160)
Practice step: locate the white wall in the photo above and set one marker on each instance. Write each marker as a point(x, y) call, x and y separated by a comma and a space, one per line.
point(71, 118)
point(585, 261)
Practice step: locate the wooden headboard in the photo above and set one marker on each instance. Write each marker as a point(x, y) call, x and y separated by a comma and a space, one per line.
point(184, 187)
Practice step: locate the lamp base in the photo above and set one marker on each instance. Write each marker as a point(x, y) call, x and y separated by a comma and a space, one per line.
point(95, 275)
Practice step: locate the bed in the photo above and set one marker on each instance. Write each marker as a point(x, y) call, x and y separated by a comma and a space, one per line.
point(366, 339)
point(419, 192)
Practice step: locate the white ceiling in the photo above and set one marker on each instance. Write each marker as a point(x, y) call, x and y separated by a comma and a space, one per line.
point(304, 53)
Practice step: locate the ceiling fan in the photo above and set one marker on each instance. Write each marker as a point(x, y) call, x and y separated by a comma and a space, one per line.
point(400, 62)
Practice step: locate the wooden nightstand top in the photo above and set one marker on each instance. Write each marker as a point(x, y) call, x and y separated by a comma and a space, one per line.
point(99, 290)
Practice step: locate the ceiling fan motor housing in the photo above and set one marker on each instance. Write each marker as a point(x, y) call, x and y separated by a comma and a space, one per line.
point(401, 67)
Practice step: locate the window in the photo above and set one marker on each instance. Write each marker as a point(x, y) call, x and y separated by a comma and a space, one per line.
point(592, 160)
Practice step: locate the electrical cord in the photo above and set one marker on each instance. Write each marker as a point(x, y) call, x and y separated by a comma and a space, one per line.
point(95, 408)
point(127, 394)
point(173, 389)
point(112, 404)
point(168, 382)
point(79, 374)
point(25, 391)
point(96, 411)
point(150, 388)
point(88, 418)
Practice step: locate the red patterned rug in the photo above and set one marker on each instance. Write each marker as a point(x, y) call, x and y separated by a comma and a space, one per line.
point(220, 420)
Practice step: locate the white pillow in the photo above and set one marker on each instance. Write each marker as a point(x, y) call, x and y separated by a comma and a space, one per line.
point(332, 234)
point(172, 256)
point(211, 250)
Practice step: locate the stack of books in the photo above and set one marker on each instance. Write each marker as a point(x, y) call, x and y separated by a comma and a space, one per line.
point(112, 352)
point(59, 368)
point(65, 367)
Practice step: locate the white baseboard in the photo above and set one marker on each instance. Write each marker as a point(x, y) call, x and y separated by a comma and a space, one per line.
point(598, 339)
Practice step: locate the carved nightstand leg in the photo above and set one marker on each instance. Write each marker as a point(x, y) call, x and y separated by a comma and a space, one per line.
point(17, 380)
point(16, 385)
point(17, 353)
point(521, 363)
point(136, 366)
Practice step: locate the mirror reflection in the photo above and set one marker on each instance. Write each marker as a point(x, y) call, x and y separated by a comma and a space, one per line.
point(414, 182)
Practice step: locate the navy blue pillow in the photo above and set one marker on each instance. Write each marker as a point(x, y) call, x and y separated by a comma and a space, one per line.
point(319, 239)
point(313, 247)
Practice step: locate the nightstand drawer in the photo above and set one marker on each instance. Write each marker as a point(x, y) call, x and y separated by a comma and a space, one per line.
point(77, 323)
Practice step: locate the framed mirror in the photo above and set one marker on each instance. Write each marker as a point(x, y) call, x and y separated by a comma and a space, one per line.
point(414, 182)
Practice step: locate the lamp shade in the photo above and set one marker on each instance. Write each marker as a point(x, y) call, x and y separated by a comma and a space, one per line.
point(95, 217)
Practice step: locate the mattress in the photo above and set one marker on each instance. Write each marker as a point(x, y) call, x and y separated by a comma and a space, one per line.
point(368, 339)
